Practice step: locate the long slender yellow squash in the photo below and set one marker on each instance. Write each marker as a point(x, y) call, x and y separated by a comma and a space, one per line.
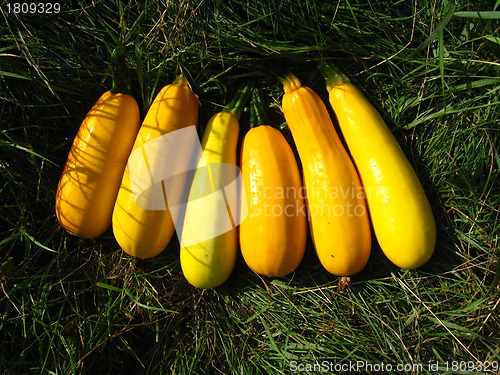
point(400, 211)
point(89, 183)
point(143, 232)
point(273, 233)
point(209, 239)
point(338, 216)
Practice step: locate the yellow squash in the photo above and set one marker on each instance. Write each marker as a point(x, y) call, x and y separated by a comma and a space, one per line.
point(89, 183)
point(144, 233)
point(273, 232)
point(338, 216)
point(400, 211)
point(209, 239)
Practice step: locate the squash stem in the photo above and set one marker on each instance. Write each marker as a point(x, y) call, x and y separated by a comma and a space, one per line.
point(258, 107)
point(236, 105)
point(333, 75)
point(120, 72)
point(180, 80)
point(290, 83)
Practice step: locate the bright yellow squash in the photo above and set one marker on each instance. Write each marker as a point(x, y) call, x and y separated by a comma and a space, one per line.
point(209, 239)
point(144, 233)
point(89, 183)
point(338, 216)
point(273, 232)
point(400, 211)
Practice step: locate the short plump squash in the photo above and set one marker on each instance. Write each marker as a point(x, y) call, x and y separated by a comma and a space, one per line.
point(402, 217)
point(89, 183)
point(144, 233)
point(338, 216)
point(274, 230)
point(273, 234)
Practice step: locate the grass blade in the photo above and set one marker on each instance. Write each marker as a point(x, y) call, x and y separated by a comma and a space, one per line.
point(485, 15)
point(448, 14)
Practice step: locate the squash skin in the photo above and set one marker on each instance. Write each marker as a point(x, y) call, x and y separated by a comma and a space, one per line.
point(273, 234)
point(208, 264)
point(146, 233)
point(401, 214)
point(89, 183)
point(338, 217)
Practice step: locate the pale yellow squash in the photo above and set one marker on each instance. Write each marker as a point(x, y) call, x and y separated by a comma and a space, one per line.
point(209, 240)
point(207, 264)
point(400, 211)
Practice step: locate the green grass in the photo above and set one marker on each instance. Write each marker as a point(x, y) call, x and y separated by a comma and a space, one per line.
point(70, 306)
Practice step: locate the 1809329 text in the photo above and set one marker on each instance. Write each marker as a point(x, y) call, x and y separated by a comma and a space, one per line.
point(32, 8)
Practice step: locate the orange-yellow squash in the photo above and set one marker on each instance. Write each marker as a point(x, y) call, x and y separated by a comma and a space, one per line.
point(273, 233)
point(338, 216)
point(144, 233)
point(402, 217)
point(89, 183)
